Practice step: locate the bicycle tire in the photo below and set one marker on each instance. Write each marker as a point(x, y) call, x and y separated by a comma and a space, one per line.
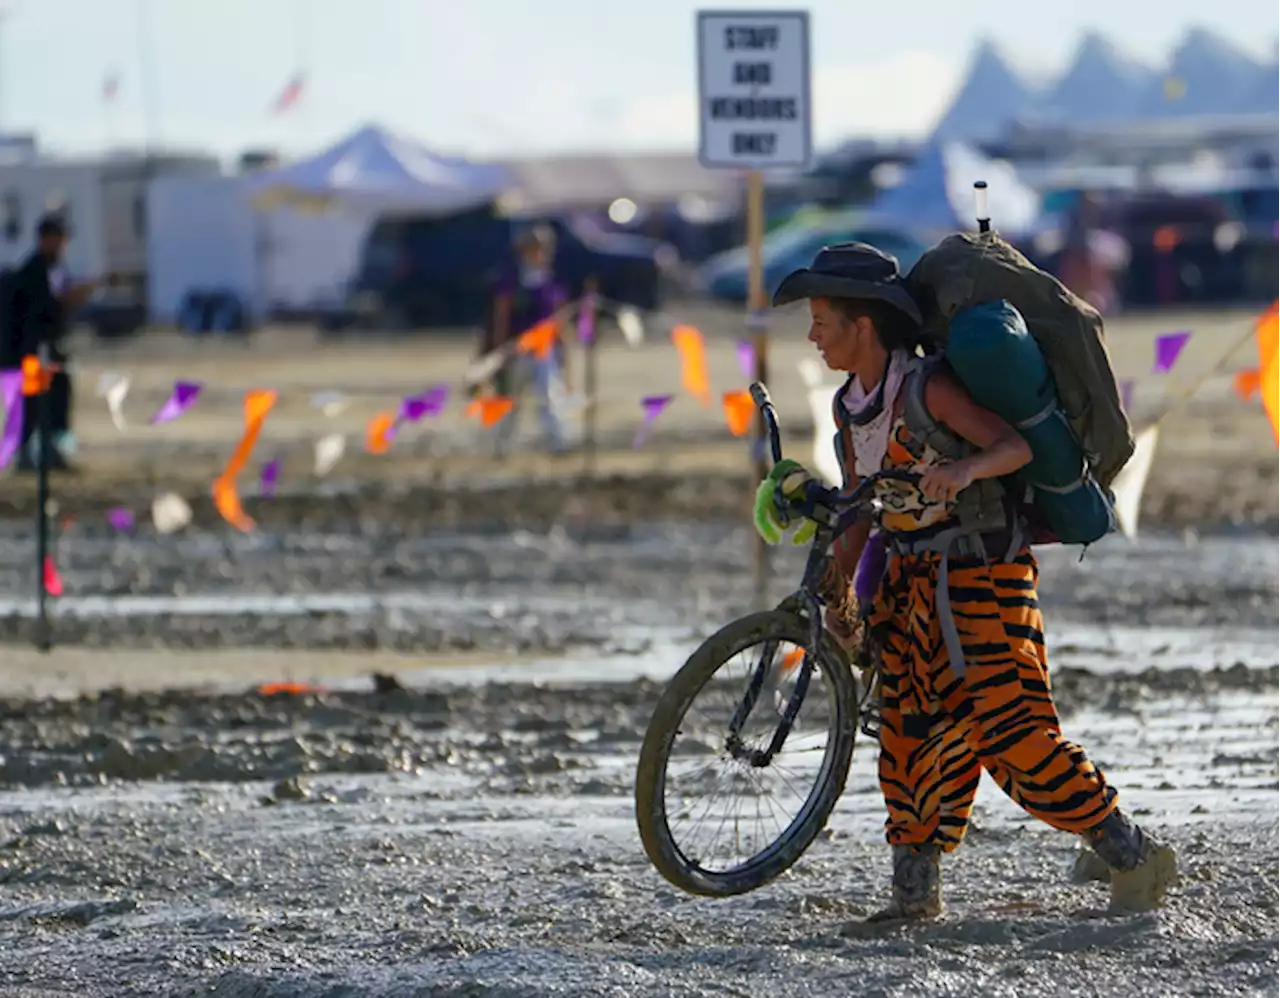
point(655, 834)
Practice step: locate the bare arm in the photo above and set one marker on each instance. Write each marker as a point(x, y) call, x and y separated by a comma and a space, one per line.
point(1001, 449)
point(501, 319)
point(78, 294)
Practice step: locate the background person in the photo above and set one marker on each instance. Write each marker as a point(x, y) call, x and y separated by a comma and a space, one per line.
point(40, 298)
point(527, 293)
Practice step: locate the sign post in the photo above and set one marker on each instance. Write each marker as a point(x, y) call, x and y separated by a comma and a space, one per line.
point(754, 115)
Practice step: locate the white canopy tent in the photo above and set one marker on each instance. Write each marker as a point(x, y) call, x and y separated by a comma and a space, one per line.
point(375, 168)
point(292, 236)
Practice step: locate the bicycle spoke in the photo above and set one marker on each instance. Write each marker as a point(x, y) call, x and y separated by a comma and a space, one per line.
point(709, 821)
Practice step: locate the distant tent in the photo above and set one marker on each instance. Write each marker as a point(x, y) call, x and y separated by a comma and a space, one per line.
point(991, 97)
point(1264, 98)
point(376, 167)
point(1102, 86)
point(937, 193)
point(1206, 76)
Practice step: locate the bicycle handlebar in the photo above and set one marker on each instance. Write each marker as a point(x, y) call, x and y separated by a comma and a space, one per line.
point(760, 395)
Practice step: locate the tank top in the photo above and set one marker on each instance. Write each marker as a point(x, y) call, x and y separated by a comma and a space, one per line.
point(906, 508)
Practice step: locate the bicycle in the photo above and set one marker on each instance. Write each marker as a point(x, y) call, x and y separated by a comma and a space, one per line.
point(851, 697)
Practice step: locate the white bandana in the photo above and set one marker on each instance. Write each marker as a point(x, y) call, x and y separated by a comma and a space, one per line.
point(871, 439)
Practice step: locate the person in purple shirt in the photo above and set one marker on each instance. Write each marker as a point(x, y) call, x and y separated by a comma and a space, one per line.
point(527, 293)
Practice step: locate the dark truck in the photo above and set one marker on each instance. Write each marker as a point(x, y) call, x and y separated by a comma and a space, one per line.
point(417, 272)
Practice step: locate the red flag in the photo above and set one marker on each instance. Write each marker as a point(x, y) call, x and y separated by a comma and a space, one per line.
point(110, 87)
point(289, 96)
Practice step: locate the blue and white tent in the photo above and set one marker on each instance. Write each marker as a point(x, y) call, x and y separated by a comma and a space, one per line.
point(937, 193)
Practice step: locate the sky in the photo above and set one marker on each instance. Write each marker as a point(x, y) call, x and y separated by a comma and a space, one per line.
point(515, 77)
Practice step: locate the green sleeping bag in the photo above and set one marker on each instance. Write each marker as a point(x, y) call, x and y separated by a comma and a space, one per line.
point(991, 351)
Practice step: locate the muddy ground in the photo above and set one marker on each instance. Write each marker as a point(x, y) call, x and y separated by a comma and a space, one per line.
point(1216, 462)
point(439, 547)
point(473, 834)
point(479, 841)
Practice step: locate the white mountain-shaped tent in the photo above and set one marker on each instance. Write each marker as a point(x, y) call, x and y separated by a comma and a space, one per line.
point(992, 96)
point(1102, 86)
point(1207, 75)
point(374, 167)
point(936, 195)
point(1264, 98)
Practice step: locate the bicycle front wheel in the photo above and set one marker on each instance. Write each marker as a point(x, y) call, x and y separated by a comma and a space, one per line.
point(716, 816)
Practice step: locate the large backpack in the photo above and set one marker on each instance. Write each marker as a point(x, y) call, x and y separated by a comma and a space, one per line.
point(969, 269)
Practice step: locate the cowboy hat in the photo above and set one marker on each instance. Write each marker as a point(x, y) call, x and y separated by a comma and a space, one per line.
point(850, 270)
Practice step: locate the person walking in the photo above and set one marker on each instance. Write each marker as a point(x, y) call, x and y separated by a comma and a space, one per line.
point(956, 618)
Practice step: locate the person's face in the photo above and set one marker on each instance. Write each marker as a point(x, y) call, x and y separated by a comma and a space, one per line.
point(535, 255)
point(51, 246)
point(841, 342)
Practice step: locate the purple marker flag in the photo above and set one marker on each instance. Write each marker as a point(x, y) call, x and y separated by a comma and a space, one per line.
point(747, 359)
point(429, 403)
point(587, 320)
point(270, 475)
point(183, 398)
point(1126, 395)
point(1168, 347)
point(122, 519)
point(11, 399)
point(653, 406)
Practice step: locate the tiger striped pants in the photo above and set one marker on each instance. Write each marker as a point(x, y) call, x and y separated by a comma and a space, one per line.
point(939, 729)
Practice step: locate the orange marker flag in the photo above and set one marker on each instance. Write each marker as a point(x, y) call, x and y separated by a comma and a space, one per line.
point(540, 339)
point(738, 410)
point(257, 404)
point(491, 410)
point(1248, 383)
point(227, 502)
point(378, 439)
point(693, 362)
point(299, 689)
point(1269, 365)
point(792, 658)
point(35, 381)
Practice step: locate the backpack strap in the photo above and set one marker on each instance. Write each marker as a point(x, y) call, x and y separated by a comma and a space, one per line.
point(915, 413)
point(843, 440)
point(985, 505)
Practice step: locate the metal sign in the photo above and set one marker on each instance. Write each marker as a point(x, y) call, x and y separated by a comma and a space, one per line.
point(753, 89)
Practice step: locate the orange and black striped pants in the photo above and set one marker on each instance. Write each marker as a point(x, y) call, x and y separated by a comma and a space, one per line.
point(942, 724)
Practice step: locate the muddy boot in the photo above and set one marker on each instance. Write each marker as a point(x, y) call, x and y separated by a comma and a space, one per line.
point(917, 884)
point(1142, 867)
point(1089, 868)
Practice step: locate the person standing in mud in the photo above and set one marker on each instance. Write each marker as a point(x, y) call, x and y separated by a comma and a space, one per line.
point(528, 293)
point(965, 679)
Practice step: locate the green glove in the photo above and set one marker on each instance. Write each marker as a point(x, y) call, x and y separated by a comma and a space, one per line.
point(769, 521)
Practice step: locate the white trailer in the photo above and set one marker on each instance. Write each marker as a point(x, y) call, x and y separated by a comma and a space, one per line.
point(104, 204)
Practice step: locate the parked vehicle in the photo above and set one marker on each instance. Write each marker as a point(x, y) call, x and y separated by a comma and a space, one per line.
point(441, 271)
point(724, 277)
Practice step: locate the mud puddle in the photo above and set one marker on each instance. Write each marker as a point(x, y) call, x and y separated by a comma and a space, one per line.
point(549, 592)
